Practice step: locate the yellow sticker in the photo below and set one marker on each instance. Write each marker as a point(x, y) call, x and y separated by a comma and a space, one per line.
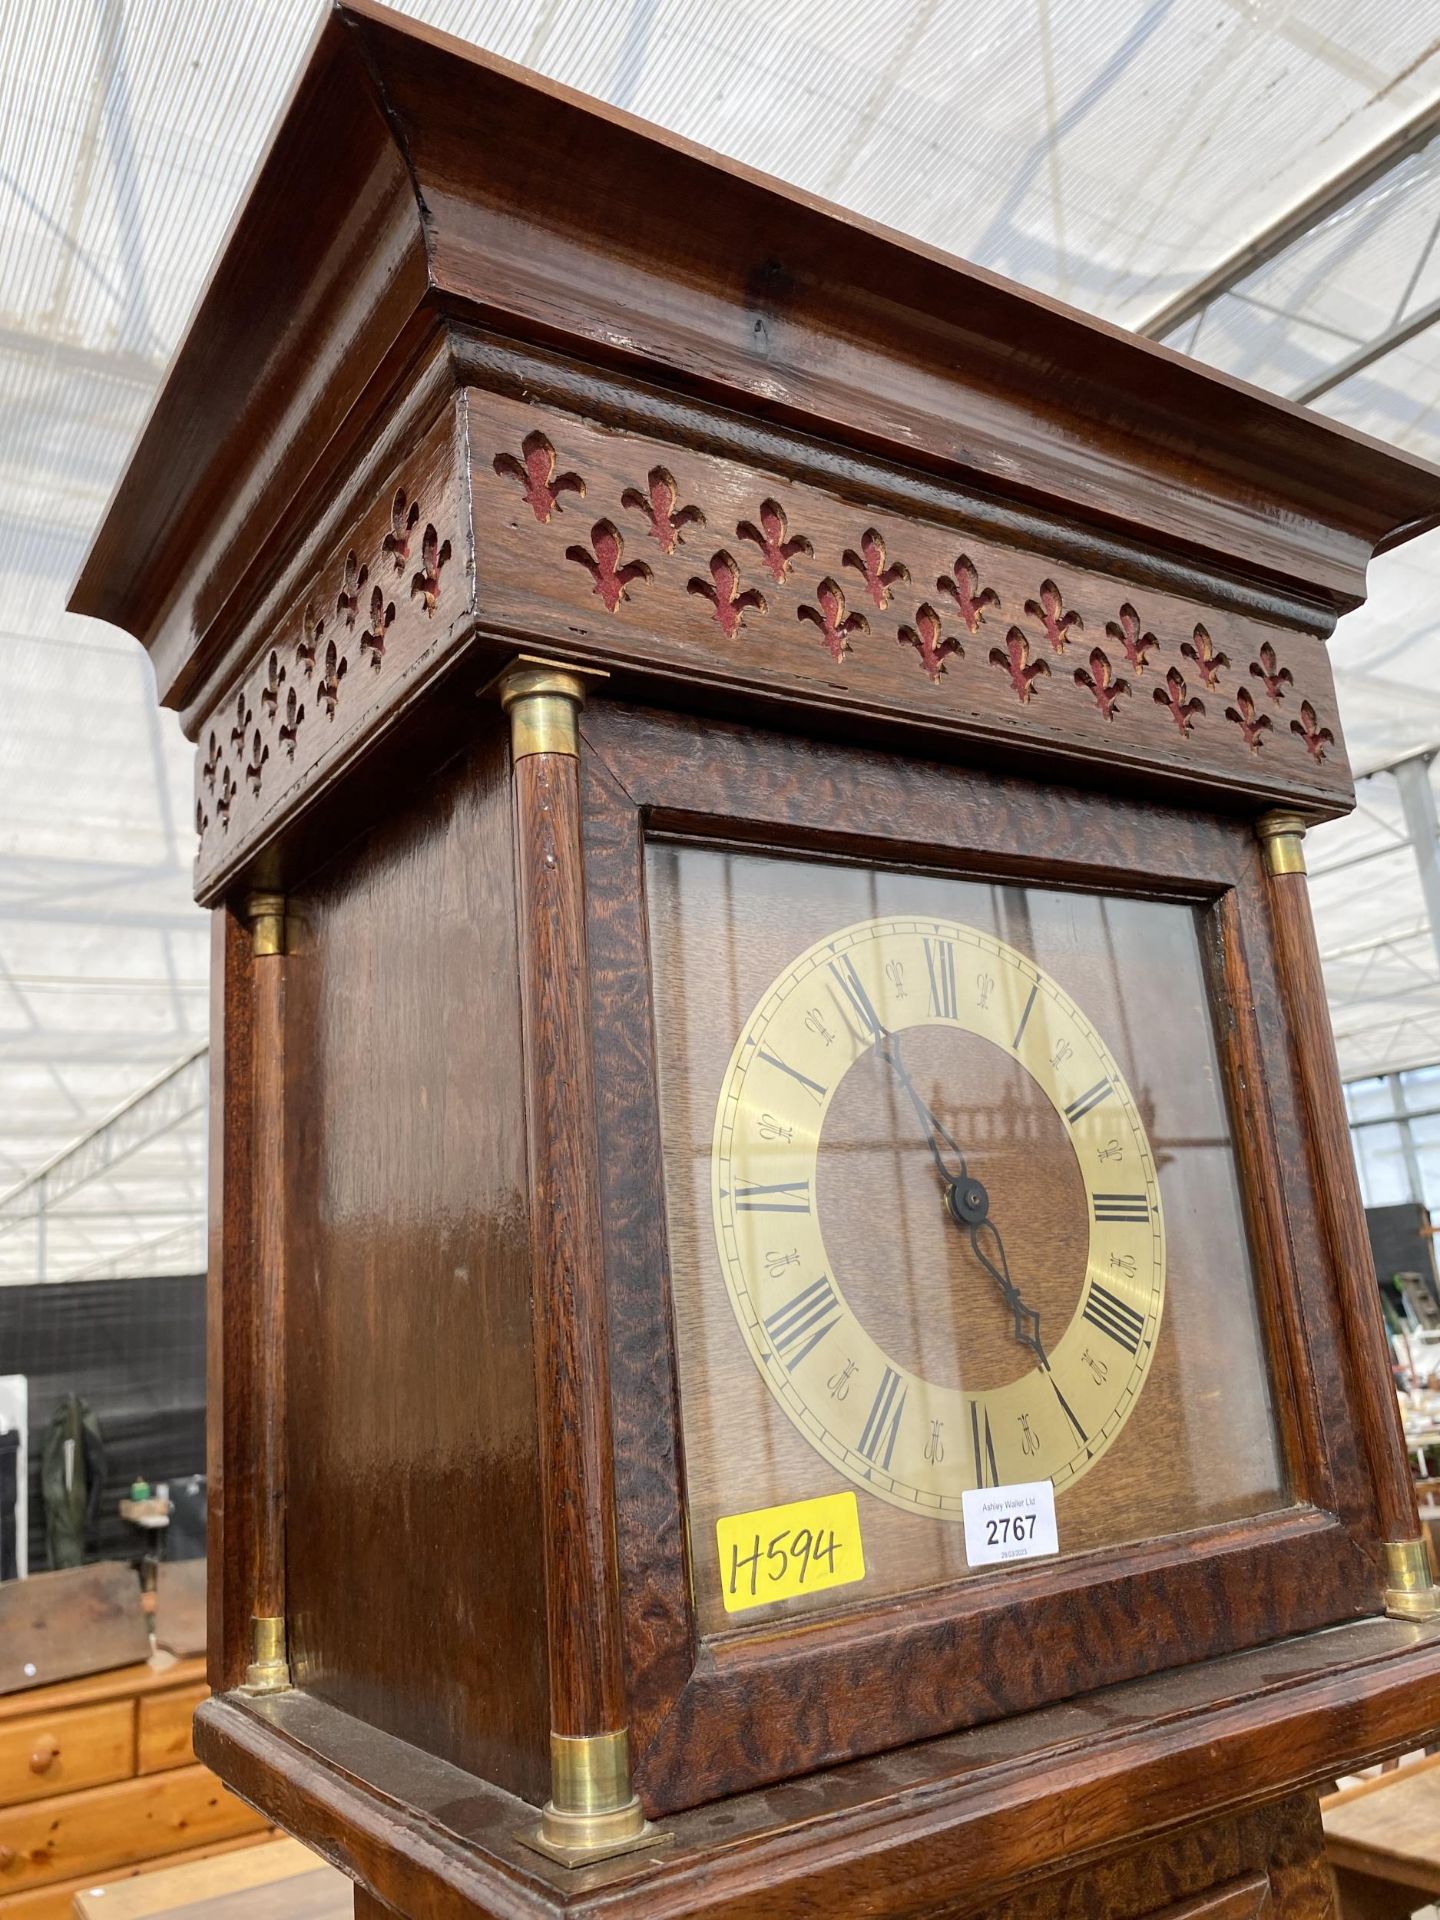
point(780, 1552)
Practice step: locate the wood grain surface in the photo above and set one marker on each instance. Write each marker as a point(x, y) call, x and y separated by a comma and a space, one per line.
point(415, 1550)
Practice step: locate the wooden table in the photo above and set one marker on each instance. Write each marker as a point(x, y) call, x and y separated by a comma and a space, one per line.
point(281, 1881)
point(1382, 1838)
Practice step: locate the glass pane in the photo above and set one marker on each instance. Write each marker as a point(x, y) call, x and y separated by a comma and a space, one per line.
point(952, 1201)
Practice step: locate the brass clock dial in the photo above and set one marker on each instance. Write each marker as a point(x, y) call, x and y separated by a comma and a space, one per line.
point(885, 992)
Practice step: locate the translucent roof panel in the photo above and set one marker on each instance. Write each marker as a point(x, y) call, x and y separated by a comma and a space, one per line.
point(1108, 151)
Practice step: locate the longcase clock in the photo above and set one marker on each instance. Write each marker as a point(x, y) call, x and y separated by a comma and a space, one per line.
point(791, 1323)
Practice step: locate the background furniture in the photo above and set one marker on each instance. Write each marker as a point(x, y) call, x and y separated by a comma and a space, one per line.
point(281, 1881)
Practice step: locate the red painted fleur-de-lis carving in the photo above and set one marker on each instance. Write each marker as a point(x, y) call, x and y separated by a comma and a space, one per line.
point(1049, 610)
point(724, 593)
point(830, 616)
point(225, 799)
point(347, 601)
point(1252, 725)
point(965, 590)
point(1138, 646)
point(403, 523)
point(933, 647)
point(311, 632)
point(1316, 738)
point(244, 714)
point(1208, 661)
point(382, 613)
point(611, 574)
point(1102, 683)
point(336, 667)
point(1014, 657)
point(274, 680)
point(777, 545)
point(540, 485)
point(290, 725)
point(211, 765)
point(660, 505)
point(425, 585)
point(869, 563)
point(1270, 673)
point(259, 754)
point(1172, 696)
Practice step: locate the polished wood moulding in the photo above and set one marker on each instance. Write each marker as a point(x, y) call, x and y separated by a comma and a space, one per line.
point(751, 780)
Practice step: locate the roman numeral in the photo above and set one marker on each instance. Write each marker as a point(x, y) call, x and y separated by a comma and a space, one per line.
point(812, 1087)
point(797, 1329)
point(1078, 1108)
point(884, 1421)
point(1114, 1317)
point(1121, 1206)
point(940, 962)
point(853, 987)
point(986, 1458)
point(787, 1196)
point(1020, 1030)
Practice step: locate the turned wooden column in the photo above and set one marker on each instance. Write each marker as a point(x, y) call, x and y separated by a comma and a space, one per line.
point(1410, 1592)
point(268, 1670)
point(592, 1811)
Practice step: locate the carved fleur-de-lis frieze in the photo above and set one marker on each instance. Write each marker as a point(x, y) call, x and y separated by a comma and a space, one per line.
point(312, 631)
point(779, 548)
point(225, 799)
point(1209, 663)
point(259, 754)
point(347, 601)
point(1271, 675)
point(964, 588)
point(434, 558)
point(611, 574)
point(836, 624)
point(244, 714)
point(1127, 633)
point(729, 601)
point(404, 518)
point(274, 680)
point(1183, 707)
point(210, 766)
point(291, 724)
point(333, 672)
point(870, 564)
point(1014, 658)
point(202, 819)
point(1315, 737)
point(660, 504)
point(1252, 724)
point(1102, 683)
point(382, 615)
point(540, 485)
point(933, 646)
point(1049, 609)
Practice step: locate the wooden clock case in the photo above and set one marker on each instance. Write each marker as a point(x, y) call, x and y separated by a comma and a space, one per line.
point(531, 485)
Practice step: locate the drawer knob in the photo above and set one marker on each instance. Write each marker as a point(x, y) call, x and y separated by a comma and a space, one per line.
point(43, 1758)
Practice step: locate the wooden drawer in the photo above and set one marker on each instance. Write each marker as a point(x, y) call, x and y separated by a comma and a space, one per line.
point(57, 1901)
point(105, 1827)
point(50, 1753)
point(162, 1729)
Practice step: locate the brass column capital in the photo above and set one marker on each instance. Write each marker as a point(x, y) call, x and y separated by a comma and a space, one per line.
point(543, 699)
point(266, 915)
point(1282, 837)
point(1410, 1591)
point(269, 1668)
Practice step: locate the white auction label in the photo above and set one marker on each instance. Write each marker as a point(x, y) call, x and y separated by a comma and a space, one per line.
point(1010, 1523)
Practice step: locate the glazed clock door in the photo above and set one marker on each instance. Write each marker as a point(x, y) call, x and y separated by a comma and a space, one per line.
point(952, 1203)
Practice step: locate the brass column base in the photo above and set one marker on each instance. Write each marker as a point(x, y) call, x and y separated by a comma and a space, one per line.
point(1410, 1592)
point(269, 1670)
point(592, 1814)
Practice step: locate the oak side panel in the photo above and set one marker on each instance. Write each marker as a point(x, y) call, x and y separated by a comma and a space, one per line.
point(414, 1563)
